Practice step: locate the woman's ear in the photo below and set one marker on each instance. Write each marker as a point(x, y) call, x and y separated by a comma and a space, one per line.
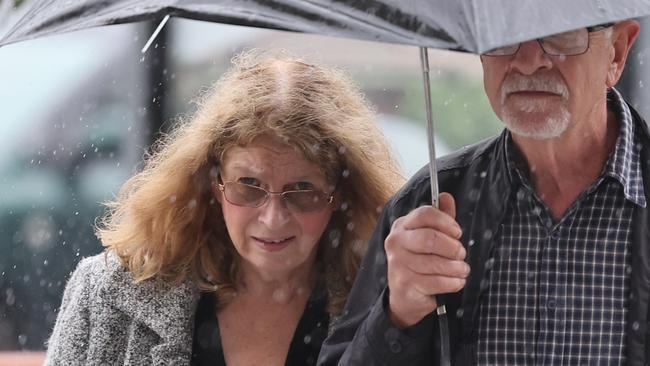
point(216, 192)
point(214, 183)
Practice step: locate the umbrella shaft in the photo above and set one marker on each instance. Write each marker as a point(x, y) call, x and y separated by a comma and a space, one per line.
point(424, 59)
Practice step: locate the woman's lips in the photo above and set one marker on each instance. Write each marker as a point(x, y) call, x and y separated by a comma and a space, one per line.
point(273, 244)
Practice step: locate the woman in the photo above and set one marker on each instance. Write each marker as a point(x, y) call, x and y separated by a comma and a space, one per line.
point(242, 234)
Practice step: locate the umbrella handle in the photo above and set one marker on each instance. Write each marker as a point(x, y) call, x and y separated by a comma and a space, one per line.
point(445, 354)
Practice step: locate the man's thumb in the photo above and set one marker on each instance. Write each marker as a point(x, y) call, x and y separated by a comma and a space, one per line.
point(447, 204)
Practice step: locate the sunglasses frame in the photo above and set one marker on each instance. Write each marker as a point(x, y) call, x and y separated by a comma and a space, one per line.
point(268, 194)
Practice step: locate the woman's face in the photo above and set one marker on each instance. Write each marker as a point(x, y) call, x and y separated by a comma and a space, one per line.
point(277, 238)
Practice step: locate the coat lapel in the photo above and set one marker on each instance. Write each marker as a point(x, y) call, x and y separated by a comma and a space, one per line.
point(168, 310)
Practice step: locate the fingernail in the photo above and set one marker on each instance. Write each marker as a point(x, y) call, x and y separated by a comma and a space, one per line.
point(462, 253)
point(459, 231)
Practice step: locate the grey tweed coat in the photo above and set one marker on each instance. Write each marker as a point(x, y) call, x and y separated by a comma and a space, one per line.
point(106, 319)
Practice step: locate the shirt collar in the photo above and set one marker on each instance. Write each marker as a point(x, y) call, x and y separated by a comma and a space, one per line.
point(623, 164)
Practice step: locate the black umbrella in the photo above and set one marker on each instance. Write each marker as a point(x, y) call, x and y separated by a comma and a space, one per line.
point(465, 25)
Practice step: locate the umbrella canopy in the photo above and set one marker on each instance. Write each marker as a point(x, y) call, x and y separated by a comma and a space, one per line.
point(465, 25)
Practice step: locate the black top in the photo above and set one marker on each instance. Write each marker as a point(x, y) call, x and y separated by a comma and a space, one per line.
point(304, 348)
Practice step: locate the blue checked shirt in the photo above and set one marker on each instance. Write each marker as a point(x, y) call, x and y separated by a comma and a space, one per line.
point(557, 291)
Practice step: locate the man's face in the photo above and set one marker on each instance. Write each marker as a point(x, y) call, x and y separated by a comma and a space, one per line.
point(540, 96)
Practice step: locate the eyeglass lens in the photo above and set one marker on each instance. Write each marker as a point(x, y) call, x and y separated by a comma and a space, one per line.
point(562, 44)
point(252, 196)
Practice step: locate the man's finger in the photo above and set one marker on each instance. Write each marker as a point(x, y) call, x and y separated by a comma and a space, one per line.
point(447, 204)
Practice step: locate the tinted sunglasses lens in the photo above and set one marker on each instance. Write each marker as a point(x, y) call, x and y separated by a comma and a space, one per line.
point(244, 195)
point(306, 201)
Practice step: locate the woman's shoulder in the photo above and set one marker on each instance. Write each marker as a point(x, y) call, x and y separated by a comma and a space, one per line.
point(93, 269)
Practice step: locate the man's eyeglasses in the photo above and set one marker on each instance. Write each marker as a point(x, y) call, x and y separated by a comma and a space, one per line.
point(304, 200)
point(571, 43)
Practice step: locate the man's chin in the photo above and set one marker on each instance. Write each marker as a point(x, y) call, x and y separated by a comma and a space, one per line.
point(537, 126)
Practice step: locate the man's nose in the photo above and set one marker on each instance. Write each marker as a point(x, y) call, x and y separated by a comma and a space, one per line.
point(274, 212)
point(530, 58)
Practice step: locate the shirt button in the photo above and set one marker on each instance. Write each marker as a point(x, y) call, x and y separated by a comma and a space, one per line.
point(550, 304)
point(555, 235)
point(395, 346)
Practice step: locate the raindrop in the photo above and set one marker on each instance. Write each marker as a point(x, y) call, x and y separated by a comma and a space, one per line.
point(489, 264)
point(346, 173)
point(341, 150)
point(10, 297)
point(459, 313)
point(192, 204)
point(487, 235)
point(350, 226)
point(483, 174)
point(635, 325)
point(307, 339)
point(279, 296)
point(521, 194)
point(471, 242)
point(396, 106)
point(485, 284)
point(344, 206)
point(473, 194)
point(22, 339)
point(172, 199)
point(628, 269)
point(45, 262)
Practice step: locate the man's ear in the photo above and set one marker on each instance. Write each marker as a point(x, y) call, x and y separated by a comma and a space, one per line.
point(623, 38)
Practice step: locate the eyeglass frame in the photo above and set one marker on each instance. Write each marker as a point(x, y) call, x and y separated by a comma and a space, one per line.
point(590, 29)
point(268, 194)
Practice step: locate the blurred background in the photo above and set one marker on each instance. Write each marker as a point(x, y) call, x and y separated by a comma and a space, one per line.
point(79, 110)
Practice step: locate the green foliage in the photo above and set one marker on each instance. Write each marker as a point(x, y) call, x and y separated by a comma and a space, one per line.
point(461, 111)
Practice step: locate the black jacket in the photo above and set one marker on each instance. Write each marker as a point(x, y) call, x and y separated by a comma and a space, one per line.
point(477, 178)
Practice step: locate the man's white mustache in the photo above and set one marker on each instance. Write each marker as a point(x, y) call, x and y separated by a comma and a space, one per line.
point(517, 83)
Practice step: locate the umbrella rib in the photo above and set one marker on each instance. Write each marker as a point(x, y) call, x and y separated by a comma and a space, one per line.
point(155, 34)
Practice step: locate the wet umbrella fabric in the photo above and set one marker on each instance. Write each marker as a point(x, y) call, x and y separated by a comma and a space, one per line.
point(465, 25)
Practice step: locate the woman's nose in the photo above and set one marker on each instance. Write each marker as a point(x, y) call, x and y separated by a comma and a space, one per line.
point(274, 212)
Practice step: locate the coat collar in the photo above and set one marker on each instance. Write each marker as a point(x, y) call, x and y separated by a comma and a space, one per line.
point(166, 309)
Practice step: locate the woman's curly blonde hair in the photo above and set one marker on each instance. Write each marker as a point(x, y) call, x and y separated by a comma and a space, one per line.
point(165, 222)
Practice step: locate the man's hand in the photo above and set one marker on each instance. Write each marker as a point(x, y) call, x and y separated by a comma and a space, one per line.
point(425, 258)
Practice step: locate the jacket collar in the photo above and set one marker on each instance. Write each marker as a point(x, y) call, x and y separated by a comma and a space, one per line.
point(166, 309)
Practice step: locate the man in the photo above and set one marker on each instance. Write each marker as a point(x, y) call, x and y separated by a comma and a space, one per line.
point(539, 250)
